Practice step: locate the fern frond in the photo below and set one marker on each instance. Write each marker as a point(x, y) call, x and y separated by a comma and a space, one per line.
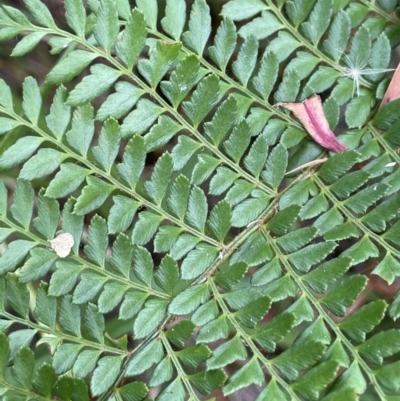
point(227, 251)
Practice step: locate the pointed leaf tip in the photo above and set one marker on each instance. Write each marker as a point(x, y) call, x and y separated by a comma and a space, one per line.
point(393, 90)
point(311, 115)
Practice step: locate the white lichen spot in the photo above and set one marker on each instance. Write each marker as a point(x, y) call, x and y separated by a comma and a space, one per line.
point(62, 244)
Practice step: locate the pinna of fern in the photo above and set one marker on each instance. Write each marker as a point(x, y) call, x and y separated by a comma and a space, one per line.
point(226, 270)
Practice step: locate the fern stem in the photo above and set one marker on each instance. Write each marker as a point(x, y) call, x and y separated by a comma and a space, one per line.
point(349, 216)
point(228, 250)
point(381, 12)
point(131, 192)
point(169, 108)
point(85, 263)
point(180, 371)
point(234, 84)
point(321, 311)
point(62, 334)
point(218, 297)
point(234, 166)
point(141, 345)
point(378, 137)
point(28, 395)
point(295, 32)
point(161, 101)
point(9, 137)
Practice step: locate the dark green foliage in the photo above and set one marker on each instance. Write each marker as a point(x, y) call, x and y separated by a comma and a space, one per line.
point(242, 256)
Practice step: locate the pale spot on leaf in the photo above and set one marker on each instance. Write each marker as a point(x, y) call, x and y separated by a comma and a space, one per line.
point(62, 244)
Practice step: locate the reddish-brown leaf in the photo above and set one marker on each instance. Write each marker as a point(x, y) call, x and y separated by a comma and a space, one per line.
point(393, 91)
point(311, 115)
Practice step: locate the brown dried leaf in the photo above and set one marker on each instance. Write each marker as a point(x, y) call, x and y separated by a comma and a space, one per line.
point(393, 91)
point(311, 115)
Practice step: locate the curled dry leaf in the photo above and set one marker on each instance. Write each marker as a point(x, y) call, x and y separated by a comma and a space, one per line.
point(311, 115)
point(62, 244)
